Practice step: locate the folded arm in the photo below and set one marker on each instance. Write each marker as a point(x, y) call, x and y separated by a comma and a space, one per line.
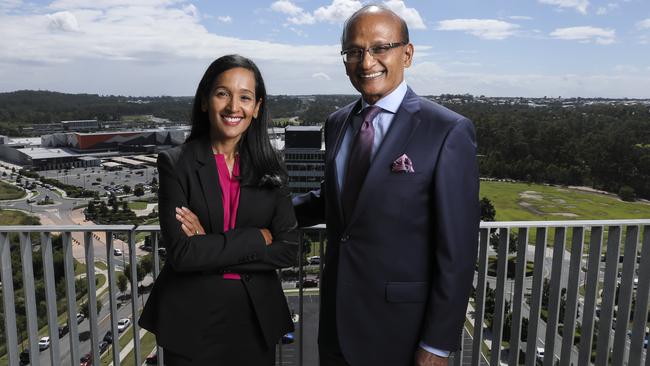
point(199, 252)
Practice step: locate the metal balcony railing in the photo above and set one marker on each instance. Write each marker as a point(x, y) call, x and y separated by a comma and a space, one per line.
point(592, 272)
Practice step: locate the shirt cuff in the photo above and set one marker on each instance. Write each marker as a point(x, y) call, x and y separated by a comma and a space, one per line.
point(435, 351)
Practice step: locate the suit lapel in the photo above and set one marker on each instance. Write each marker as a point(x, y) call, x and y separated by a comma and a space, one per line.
point(404, 124)
point(340, 130)
point(209, 179)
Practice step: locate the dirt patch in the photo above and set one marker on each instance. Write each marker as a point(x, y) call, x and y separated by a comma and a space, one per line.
point(565, 214)
point(532, 195)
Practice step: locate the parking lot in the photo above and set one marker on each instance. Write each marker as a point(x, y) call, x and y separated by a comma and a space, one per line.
point(101, 180)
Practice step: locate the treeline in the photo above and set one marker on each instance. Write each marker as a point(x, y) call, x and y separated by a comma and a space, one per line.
point(31, 106)
point(606, 147)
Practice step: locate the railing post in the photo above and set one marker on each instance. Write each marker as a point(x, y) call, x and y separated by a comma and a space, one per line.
point(588, 310)
point(11, 332)
point(112, 290)
point(134, 298)
point(518, 299)
point(554, 296)
point(641, 306)
point(568, 333)
point(50, 297)
point(479, 312)
point(499, 308)
point(68, 264)
point(609, 291)
point(92, 293)
point(536, 295)
point(624, 301)
point(30, 298)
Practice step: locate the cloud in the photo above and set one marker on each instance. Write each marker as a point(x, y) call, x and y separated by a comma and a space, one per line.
point(602, 10)
point(165, 32)
point(520, 17)
point(644, 24)
point(586, 34)
point(338, 11)
point(225, 19)
point(297, 14)
point(63, 21)
point(579, 5)
point(482, 28)
point(410, 15)
point(286, 7)
point(321, 76)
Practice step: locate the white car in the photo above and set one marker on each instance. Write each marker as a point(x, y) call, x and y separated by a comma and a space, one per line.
point(43, 343)
point(117, 252)
point(122, 324)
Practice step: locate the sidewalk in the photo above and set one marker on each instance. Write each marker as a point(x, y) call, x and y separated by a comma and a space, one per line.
point(127, 349)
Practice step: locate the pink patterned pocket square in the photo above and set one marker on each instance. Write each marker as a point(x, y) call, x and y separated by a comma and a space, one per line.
point(403, 165)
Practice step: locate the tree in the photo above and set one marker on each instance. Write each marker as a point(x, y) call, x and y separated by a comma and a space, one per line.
point(146, 263)
point(126, 188)
point(626, 193)
point(122, 282)
point(85, 308)
point(488, 212)
point(138, 190)
point(125, 206)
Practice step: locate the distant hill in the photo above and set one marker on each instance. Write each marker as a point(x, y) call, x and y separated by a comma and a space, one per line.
point(599, 143)
point(27, 107)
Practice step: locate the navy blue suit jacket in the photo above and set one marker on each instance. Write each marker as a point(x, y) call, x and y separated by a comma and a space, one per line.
point(399, 271)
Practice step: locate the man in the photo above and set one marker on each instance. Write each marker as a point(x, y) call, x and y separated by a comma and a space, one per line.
point(400, 199)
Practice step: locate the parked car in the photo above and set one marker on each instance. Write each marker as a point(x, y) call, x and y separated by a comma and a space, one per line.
point(63, 330)
point(108, 337)
point(80, 318)
point(24, 357)
point(117, 252)
point(43, 343)
point(313, 260)
point(308, 282)
point(86, 360)
point(103, 346)
point(539, 355)
point(152, 359)
point(122, 324)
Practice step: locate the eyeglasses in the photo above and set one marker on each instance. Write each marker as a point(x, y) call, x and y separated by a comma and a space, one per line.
point(352, 55)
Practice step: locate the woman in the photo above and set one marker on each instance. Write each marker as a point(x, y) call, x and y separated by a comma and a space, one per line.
point(227, 223)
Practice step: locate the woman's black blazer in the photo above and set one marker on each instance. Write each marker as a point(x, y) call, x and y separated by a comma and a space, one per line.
point(176, 308)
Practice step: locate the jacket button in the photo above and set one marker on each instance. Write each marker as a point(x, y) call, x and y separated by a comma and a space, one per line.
point(247, 277)
point(345, 238)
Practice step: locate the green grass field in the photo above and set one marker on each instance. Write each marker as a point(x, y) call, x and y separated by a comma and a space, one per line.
point(535, 202)
point(10, 192)
point(137, 205)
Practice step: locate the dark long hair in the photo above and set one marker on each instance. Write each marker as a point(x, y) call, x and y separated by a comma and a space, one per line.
point(260, 164)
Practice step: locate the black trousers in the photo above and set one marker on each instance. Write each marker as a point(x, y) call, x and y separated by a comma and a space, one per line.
point(231, 335)
point(331, 356)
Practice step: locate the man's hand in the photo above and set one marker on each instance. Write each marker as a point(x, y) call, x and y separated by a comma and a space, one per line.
point(424, 358)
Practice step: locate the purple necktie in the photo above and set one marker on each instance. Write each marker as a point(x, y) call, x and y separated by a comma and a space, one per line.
point(359, 160)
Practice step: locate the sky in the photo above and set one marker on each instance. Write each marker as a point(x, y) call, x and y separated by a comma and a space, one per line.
point(529, 48)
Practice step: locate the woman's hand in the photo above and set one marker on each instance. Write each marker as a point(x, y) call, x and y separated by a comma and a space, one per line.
point(189, 222)
point(268, 238)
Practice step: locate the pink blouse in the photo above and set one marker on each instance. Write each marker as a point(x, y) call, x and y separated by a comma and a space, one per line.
point(229, 197)
point(229, 190)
